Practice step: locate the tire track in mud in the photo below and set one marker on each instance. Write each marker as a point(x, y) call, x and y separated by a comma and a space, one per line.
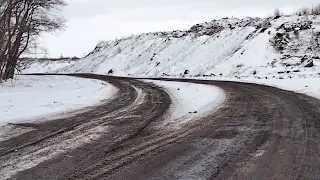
point(260, 132)
point(118, 119)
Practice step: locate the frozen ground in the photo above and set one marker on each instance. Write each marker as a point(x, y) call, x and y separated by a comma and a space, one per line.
point(31, 97)
point(190, 101)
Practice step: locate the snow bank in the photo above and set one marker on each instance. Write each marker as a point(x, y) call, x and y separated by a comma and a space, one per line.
point(30, 97)
point(190, 101)
point(308, 86)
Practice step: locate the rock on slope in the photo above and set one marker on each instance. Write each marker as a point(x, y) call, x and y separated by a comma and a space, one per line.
point(281, 47)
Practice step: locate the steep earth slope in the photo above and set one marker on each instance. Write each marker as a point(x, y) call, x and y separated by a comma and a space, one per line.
point(281, 47)
point(231, 47)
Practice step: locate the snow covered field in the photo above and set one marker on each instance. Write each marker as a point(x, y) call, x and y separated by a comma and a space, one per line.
point(190, 101)
point(43, 66)
point(31, 97)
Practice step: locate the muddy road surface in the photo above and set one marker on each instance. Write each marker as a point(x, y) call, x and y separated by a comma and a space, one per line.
point(259, 132)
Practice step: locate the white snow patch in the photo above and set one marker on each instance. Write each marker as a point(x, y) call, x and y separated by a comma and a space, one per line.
point(309, 86)
point(188, 98)
point(30, 97)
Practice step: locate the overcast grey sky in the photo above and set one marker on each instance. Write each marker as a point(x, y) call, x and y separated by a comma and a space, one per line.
point(91, 21)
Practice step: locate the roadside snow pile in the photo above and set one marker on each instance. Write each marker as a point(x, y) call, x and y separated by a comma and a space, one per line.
point(308, 86)
point(31, 97)
point(189, 102)
point(283, 47)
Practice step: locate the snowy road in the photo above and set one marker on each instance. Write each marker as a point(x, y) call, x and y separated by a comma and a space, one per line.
point(259, 132)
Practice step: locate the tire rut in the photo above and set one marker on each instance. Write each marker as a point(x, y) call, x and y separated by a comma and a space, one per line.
point(259, 132)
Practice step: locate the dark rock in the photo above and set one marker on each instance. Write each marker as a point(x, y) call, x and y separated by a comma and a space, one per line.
point(110, 71)
point(263, 30)
point(186, 72)
point(303, 59)
point(276, 17)
point(309, 64)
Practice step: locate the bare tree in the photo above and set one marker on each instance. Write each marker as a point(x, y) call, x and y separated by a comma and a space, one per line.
point(22, 21)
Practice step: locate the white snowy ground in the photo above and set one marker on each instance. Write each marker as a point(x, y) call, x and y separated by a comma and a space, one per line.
point(308, 86)
point(188, 98)
point(32, 97)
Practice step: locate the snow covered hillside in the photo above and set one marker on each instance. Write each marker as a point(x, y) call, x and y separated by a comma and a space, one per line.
point(43, 65)
point(282, 47)
point(30, 97)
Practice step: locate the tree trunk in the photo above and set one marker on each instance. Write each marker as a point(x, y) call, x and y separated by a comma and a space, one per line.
point(9, 72)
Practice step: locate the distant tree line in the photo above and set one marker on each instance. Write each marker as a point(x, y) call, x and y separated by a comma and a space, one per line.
point(314, 10)
point(21, 22)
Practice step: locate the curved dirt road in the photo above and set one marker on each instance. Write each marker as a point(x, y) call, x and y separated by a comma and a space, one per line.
point(260, 132)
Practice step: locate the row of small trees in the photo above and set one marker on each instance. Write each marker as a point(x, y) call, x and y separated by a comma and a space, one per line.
point(314, 10)
point(21, 22)
point(309, 11)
